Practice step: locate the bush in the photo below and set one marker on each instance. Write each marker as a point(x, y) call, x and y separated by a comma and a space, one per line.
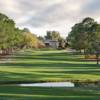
point(89, 56)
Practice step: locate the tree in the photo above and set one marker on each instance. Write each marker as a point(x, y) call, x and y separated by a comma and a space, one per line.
point(84, 35)
point(30, 40)
point(53, 35)
point(6, 32)
point(62, 43)
point(77, 37)
point(12, 37)
point(41, 38)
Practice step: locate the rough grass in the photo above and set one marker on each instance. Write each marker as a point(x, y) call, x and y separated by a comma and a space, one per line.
point(47, 66)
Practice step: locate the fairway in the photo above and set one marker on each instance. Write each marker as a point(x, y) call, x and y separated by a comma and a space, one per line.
point(45, 66)
point(49, 50)
point(37, 66)
point(26, 93)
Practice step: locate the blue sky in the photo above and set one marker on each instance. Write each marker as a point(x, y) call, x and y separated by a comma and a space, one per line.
point(42, 15)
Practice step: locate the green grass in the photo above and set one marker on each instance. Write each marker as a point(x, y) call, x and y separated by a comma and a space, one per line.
point(30, 93)
point(48, 66)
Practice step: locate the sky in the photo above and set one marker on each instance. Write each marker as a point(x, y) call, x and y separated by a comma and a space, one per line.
point(43, 15)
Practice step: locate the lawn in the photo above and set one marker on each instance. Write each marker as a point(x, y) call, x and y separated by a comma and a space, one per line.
point(38, 66)
point(32, 93)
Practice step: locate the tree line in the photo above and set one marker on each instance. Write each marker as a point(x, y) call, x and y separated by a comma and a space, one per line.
point(12, 37)
point(83, 36)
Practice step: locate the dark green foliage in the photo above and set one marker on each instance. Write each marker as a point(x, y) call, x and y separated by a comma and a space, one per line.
point(53, 35)
point(41, 38)
point(39, 93)
point(84, 35)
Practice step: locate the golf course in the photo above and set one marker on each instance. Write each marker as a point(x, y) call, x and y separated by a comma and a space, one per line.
point(49, 50)
point(35, 93)
point(27, 66)
point(37, 66)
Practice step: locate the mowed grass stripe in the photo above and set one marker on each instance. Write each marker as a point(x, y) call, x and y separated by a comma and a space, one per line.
point(33, 93)
point(48, 66)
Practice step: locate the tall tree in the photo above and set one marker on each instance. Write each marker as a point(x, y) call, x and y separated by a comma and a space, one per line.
point(12, 37)
point(84, 35)
point(53, 35)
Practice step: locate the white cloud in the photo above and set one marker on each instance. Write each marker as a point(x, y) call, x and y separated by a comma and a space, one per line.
point(43, 15)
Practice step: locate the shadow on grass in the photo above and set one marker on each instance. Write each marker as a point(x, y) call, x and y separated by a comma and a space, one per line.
point(26, 93)
point(58, 61)
point(49, 56)
point(49, 65)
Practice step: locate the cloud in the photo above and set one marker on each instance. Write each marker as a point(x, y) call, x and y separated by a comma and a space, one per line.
point(43, 15)
point(92, 6)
